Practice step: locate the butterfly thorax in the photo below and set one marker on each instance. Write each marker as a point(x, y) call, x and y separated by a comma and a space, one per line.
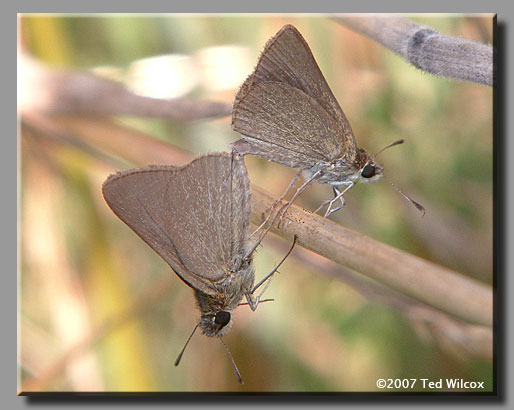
point(342, 171)
point(216, 319)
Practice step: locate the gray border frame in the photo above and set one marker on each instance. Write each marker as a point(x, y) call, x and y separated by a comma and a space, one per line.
point(504, 225)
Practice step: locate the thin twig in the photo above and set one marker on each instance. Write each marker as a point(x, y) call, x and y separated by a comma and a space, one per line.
point(427, 49)
point(425, 281)
point(70, 92)
point(90, 134)
point(459, 337)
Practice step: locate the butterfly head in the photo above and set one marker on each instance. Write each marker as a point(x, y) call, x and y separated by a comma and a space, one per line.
point(215, 324)
point(368, 169)
point(215, 319)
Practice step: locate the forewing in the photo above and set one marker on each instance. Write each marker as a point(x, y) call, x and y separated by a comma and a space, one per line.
point(276, 114)
point(185, 214)
point(287, 58)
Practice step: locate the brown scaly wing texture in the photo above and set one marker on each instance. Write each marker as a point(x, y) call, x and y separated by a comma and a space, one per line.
point(288, 59)
point(195, 217)
point(277, 116)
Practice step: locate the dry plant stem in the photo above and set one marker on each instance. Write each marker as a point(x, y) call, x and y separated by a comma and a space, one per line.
point(432, 284)
point(466, 339)
point(281, 209)
point(427, 49)
point(34, 123)
point(71, 92)
point(272, 209)
point(127, 143)
point(435, 285)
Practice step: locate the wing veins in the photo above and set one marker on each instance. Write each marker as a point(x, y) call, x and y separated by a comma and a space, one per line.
point(167, 236)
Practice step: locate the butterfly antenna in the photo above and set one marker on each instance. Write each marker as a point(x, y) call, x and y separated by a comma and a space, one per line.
point(269, 275)
point(184, 348)
point(418, 206)
point(236, 370)
point(397, 142)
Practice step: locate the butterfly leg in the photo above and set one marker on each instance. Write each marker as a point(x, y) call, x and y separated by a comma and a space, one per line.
point(272, 208)
point(281, 212)
point(285, 207)
point(341, 199)
point(254, 301)
point(338, 197)
point(337, 194)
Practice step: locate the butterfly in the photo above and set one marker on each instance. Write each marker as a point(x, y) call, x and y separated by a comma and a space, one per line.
point(196, 217)
point(286, 113)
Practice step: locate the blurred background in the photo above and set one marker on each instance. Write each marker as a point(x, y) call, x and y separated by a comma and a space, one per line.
point(100, 311)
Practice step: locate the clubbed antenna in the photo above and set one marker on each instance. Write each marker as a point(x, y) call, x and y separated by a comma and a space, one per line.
point(418, 206)
point(269, 275)
point(397, 142)
point(236, 370)
point(184, 348)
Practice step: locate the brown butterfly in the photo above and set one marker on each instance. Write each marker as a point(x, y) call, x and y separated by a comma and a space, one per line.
point(197, 218)
point(287, 114)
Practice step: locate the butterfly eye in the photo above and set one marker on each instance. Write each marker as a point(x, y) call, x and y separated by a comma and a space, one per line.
point(368, 171)
point(222, 318)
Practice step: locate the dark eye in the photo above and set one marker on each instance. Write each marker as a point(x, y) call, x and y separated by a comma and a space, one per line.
point(222, 318)
point(368, 171)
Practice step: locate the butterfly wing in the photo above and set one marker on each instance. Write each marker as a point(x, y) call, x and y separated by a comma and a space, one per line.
point(274, 116)
point(195, 217)
point(288, 59)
